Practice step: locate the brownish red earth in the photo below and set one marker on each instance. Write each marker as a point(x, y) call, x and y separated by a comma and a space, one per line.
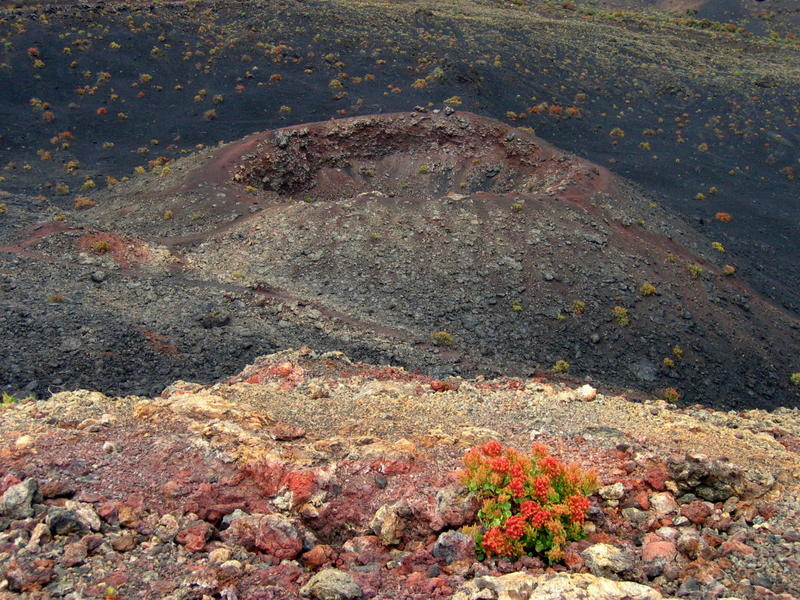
point(163, 487)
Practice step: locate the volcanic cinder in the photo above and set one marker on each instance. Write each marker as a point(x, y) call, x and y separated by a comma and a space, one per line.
point(441, 241)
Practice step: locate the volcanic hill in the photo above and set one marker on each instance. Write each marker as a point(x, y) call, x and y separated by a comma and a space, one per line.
point(441, 241)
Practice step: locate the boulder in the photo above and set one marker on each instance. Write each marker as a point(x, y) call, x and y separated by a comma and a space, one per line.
point(272, 534)
point(605, 559)
point(564, 586)
point(17, 501)
point(451, 546)
point(331, 584)
point(388, 524)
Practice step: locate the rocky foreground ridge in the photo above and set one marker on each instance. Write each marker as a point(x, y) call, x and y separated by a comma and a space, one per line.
point(307, 475)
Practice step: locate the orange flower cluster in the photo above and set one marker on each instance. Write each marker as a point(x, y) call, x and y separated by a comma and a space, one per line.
point(531, 504)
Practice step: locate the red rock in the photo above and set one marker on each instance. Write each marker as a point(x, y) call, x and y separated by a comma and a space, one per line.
point(27, 574)
point(734, 546)
point(573, 560)
point(127, 515)
point(8, 481)
point(441, 386)
point(172, 488)
point(109, 512)
point(768, 510)
point(195, 536)
point(57, 489)
point(280, 577)
point(318, 556)
point(641, 500)
point(659, 549)
point(285, 431)
point(703, 571)
point(75, 553)
point(124, 542)
point(272, 534)
point(656, 478)
point(696, 511)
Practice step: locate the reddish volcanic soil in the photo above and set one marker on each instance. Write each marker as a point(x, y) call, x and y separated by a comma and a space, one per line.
point(306, 462)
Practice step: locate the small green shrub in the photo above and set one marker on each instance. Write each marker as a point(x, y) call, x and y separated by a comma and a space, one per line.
point(443, 338)
point(561, 366)
point(795, 379)
point(670, 395)
point(530, 504)
point(621, 315)
point(578, 307)
point(696, 271)
point(7, 399)
point(647, 289)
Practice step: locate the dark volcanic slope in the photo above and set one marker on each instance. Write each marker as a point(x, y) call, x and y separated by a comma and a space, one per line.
point(707, 103)
point(373, 234)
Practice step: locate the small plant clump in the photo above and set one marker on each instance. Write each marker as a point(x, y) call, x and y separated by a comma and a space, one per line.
point(7, 399)
point(443, 338)
point(578, 307)
point(795, 379)
point(647, 289)
point(82, 202)
point(561, 366)
point(728, 270)
point(670, 395)
point(101, 247)
point(621, 315)
point(530, 504)
point(696, 271)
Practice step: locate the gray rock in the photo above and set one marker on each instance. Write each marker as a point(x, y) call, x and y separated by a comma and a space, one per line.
point(663, 503)
point(551, 586)
point(644, 370)
point(454, 545)
point(388, 524)
point(64, 522)
point(331, 584)
point(634, 515)
point(17, 501)
point(717, 480)
point(614, 491)
point(604, 560)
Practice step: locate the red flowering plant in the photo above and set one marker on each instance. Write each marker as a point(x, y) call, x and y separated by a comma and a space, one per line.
point(530, 504)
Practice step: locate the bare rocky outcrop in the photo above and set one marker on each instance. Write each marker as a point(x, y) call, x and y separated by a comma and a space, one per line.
point(261, 487)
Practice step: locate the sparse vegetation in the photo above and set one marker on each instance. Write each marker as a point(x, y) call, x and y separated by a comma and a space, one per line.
point(101, 247)
point(560, 366)
point(621, 315)
point(647, 289)
point(695, 271)
point(443, 338)
point(670, 394)
point(7, 399)
point(578, 307)
point(529, 505)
